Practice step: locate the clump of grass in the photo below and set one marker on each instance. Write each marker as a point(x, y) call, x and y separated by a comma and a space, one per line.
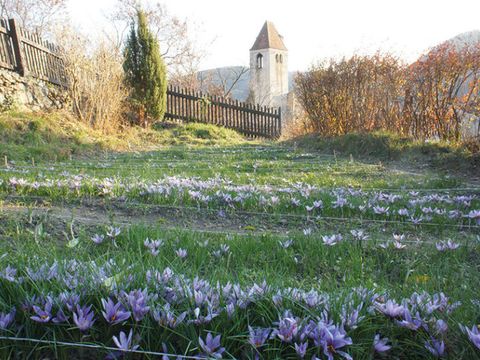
point(58, 135)
point(385, 146)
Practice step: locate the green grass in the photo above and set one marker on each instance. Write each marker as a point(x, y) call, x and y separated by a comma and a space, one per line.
point(57, 136)
point(52, 218)
point(380, 146)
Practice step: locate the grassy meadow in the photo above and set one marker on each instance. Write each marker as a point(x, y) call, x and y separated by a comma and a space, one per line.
point(283, 251)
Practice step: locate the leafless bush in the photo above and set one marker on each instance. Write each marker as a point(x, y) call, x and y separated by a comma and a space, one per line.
point(362, 93)
point(96, 83)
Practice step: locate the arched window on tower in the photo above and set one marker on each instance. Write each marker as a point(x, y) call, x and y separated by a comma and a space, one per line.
point(279, 58)
point(259, 61)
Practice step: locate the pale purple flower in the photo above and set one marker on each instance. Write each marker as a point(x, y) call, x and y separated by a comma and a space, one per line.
point(441, 326)
point(123, 342)
point(379, 210)
point(359, 235)
point(113, 232)
point(83, 317)
point(181, 253)
point(473, 335)
point(211, 346)
point(332, 240)
point(286, 243)
point(307, 231)
point(258, 336)
point(380, 344)
point(97, 239)
point(6, 319)
point(60, 317)
point(475, 215)
point(447, 245)
point(287, 329)
point(42, 315)
point(137, 299)
point(166, 318)
point(409, 322)
point(333, 340)
point(390, 308)
point(114, 313)
point(301, 349)
point(436, 347)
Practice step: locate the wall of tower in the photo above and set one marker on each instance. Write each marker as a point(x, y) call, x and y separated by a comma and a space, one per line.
point(270, 83)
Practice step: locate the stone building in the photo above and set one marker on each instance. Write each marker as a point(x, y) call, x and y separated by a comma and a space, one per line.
point(269, 85)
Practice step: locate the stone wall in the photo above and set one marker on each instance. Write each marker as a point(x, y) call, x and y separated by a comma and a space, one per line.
point(29, 94)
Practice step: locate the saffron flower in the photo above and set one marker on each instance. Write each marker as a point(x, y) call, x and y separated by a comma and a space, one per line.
point(334, 340)
point(137, 300)
point(114, 313)
point(181, 253)
point(6, 319)
point(123, 342)
point(390, 309)
point(98, 239)
point(211, 346)
point(301, 349)
point(83, 317)
point(42, 315)
point(473, 335)
point(380, 344)
point(258, 336)
point(436, 347)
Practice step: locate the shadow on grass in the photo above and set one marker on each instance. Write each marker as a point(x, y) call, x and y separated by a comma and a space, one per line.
point(380, 146)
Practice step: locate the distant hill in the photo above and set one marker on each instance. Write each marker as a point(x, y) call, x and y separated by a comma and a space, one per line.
point(465, 39)
point(228, 74)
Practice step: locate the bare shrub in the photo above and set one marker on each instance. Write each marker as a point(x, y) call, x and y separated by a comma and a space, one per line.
point(96, 83)
point(442, 90)
point(362, 93)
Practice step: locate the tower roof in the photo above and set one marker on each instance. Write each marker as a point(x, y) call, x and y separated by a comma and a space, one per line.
point(269, 38)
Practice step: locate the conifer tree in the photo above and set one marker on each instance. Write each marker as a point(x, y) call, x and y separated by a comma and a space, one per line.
point(145, 72)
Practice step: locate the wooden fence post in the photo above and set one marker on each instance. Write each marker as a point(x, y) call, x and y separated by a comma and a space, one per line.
point(17, 47)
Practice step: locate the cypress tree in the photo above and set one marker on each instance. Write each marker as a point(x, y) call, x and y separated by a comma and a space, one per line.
point(145, 72)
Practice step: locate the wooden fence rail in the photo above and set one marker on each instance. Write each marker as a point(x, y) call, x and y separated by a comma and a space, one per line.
point(251, 120)
point(26, 53)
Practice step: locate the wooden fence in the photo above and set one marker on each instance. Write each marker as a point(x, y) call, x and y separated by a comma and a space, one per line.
point(26, 53)
point(251, 120)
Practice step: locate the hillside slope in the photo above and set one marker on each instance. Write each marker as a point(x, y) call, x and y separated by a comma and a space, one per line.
point(24, 136)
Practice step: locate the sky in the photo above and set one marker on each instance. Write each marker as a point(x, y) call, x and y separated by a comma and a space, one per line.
point(313, 30)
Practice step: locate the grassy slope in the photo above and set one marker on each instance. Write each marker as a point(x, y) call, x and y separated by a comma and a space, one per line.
point(393, 148)
point(57, 136)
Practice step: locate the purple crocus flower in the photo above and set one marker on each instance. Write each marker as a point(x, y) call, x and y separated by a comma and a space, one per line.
point(60, 317)
point(211, 346)
point(441, 326)
point(390, 309)
point(334, 340)
point(475, 215)
point(258, 336)
point(83, 317)
point(380, 345)
point(409, 322)
point(42, 315)
point(287, 329)
point(301, 349)
point(6, 319)
point(436, 347)
point(181, 253)
point(473, 335)
point(114, 313)
point(97, 239)
point(137, 299)
point(123, 342)
point(332, 240)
